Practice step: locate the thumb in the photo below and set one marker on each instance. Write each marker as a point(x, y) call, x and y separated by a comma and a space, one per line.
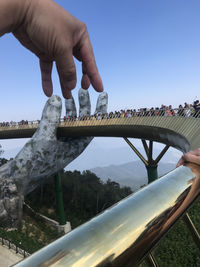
point(50, 119)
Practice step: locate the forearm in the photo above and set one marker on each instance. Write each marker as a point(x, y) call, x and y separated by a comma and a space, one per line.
point(12, 13)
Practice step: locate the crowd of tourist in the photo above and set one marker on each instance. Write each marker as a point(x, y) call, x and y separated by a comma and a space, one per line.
point(13, 123)
point(186, 110)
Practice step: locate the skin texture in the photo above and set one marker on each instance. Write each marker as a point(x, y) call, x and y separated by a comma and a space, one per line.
point(33, 23)
point(192, 156)
point(42, 156)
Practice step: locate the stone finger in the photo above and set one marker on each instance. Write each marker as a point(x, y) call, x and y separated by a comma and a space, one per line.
point(50, 119)
point(70, 107)
point(84, 103)
point(102, 103)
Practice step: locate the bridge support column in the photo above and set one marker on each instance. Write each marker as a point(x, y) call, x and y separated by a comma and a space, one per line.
point(150, 164)
point(59, 199)
point(152, 172)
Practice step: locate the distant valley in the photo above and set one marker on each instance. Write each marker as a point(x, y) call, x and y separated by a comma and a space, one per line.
point(131, 174)
point(111, 159)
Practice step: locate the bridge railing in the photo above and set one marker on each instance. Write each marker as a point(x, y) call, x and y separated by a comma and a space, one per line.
point(124, 234)
point(161, 113)
point(10, 245)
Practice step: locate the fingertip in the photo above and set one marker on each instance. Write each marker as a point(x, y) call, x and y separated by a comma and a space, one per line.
point(181, 161)
point(47, 90)
point(89, 66)
point(66, 91)
point(101, 87)
point(67, 94)
point(97, 83)
point(85, 81)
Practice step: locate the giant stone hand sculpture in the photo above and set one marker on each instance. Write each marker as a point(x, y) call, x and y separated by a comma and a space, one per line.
point(43, 155)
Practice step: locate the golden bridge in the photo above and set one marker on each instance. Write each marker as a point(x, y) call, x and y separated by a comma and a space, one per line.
point(126, 233)
point(176, 131)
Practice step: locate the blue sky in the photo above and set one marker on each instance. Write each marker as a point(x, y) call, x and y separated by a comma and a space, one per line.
point(147, 52)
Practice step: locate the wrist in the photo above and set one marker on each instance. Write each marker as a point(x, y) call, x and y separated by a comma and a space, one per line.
point(12, 14)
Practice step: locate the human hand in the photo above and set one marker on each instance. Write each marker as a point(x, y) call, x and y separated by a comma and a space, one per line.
point(192, 156)
point(53, 34)
point(43, 155)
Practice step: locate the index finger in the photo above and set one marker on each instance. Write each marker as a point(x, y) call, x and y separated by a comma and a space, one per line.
point(87, 58)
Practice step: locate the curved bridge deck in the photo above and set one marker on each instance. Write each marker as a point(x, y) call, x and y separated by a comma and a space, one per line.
point(182, 133)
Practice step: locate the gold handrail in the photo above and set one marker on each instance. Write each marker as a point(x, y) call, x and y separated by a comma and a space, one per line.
point(124, 234)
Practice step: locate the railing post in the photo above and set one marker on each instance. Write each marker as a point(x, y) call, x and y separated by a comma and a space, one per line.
point(150, 260)
point(192, 229)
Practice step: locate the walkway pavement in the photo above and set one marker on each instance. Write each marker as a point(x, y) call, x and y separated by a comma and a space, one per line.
point(8, 257)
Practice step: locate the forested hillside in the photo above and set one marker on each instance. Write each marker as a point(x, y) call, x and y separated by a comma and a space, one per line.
point(85, 195)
